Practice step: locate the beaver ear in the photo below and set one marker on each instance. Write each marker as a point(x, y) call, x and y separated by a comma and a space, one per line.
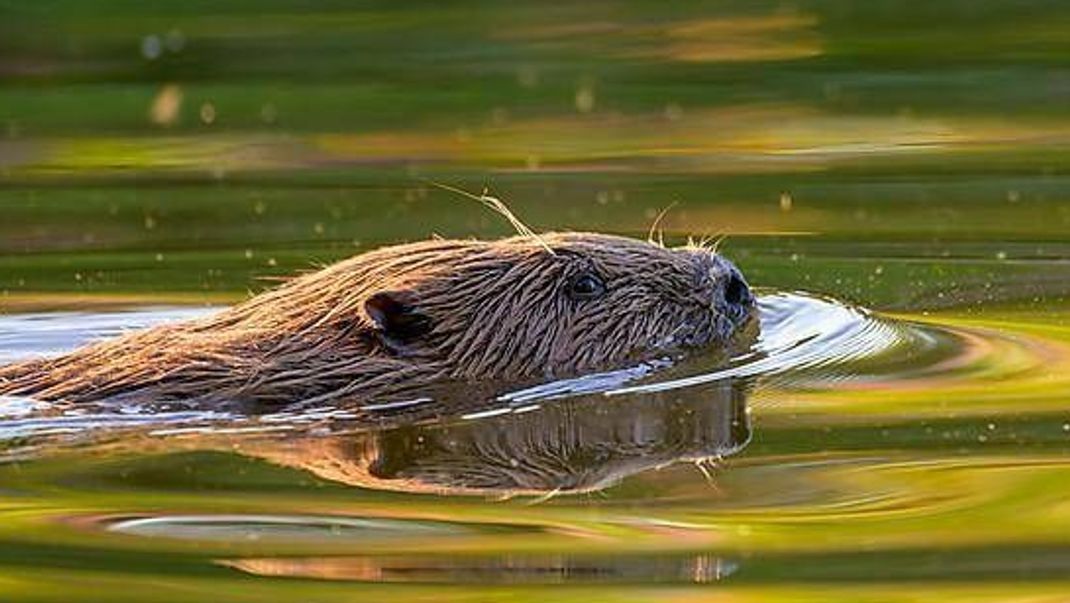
point(395, 318)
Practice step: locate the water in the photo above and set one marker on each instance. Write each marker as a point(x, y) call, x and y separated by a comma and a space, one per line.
point(839, 447)
point(892, 176)
point(801, 340)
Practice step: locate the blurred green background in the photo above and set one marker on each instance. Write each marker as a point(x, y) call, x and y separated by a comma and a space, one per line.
point(896, 154)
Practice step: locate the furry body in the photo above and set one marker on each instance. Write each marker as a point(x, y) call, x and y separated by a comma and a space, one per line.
point(389, 322)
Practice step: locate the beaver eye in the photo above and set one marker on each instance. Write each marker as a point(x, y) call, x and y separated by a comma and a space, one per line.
point(586, 286)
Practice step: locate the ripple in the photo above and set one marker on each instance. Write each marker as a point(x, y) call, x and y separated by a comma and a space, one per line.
point(281, 528)
point(803, 338)
point(803, 341)
point(297, 532)
point(799, 332)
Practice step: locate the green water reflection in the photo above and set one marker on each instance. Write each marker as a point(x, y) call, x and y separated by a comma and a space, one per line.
point(911, 157)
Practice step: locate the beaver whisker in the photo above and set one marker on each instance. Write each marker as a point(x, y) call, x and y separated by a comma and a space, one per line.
point(715, 246)
point(657, 221)
point(501, 208)
point(708, 243)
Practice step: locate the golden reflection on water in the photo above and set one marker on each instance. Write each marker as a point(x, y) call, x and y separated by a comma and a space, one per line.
point(513, 569)
point(744, 38)
point(774, 37)
point(1002, 365)
point(771, 137)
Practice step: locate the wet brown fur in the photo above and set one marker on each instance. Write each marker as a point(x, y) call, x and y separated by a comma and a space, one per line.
point(497, 310)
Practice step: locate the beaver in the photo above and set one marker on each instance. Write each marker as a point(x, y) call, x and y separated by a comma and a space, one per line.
point(388, 323)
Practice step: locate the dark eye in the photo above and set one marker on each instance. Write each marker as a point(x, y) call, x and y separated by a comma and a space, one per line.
point(585, 285)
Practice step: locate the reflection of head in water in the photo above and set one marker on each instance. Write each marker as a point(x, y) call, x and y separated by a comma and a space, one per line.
point(577, 445)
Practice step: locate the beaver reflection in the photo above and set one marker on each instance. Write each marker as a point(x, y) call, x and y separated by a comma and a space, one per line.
point(577, 445)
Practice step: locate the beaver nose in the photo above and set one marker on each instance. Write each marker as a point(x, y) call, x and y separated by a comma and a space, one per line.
point(736, 292)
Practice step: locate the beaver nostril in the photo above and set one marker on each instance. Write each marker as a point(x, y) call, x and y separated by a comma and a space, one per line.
point(736, 291)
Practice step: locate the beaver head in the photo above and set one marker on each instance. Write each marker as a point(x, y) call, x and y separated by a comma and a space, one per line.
point(561, 305)
point(397, 319)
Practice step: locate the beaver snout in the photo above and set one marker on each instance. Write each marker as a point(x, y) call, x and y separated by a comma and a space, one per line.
point(730, 288)
point(736, 292)
point(732, 295)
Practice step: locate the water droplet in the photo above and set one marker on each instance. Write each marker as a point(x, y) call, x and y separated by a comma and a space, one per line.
point(585, 98)
point(208, 113)
point(528, 77)
point(175, 41)
point(151, 47)
point(499, 116)
point(268, 113)
point(166, 105)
